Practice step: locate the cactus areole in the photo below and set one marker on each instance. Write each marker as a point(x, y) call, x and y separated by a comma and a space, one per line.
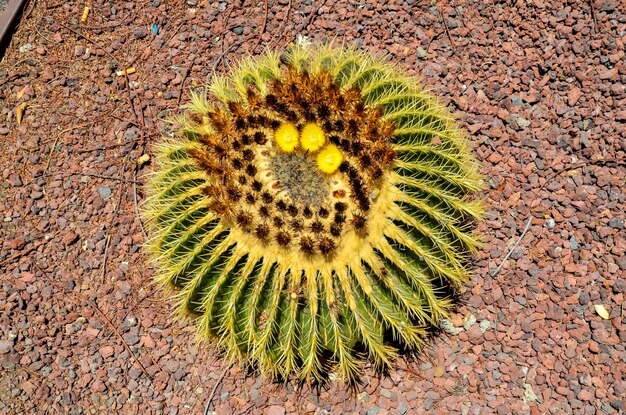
point(314, 210)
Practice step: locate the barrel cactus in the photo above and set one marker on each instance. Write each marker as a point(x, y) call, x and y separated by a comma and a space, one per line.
point(315, 209)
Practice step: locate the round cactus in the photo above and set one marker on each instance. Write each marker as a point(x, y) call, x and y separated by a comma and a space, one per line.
point(313, 209)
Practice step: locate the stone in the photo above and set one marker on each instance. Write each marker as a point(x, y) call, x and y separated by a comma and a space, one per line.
point(607, 6)
point(26, 47)
point(585, 395)
point(516, 122)
point(147, 341)
point(180, 374)
point(484, 325)
point(617, 404)
point(131, 339)
point(106, 351)
point(403, 407)
point(469, 321)
point(104, 192)
point(449, 328)
point(171, 365)
point(516, 101)
point(573, 96)
point(619, 286)
point(15, 180)
point(274, 410)
point(621, 262)
point(69, 238)
point(140, 32)
point(583, 298)
point(5, 346)
point(523, 123)
point(131, 133)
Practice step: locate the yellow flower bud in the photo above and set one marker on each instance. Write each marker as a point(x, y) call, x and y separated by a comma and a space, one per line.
point(312, 137)
point(287, 137)
point(329, 159)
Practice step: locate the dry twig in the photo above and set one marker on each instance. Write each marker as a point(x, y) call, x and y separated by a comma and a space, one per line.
point(56, 140)
point(220, 58)
point(312, 15)
point(32, 248)
point(497, 271)
point(445, 25)
point(97, 176)
point(593, 16)
point(191, 59)
point(281, 31)
point(137, 204)
point(217, 383)
point(258, 41)
point(104, 260)
point(108, 147)
point(431, 41)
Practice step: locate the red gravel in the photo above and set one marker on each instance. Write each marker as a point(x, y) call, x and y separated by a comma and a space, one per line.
point(539, 87)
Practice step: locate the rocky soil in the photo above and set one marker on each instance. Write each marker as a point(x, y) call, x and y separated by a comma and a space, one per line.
point(540, 87)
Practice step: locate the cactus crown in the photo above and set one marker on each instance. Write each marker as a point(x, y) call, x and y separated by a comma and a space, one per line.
point(315, 204)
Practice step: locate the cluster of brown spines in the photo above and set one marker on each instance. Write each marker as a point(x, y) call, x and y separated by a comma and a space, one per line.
point(242, 130)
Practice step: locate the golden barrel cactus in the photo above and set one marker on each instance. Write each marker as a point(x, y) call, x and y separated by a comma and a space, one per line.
point(314, 209)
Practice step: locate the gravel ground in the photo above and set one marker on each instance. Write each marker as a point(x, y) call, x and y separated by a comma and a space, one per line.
point(538, 85)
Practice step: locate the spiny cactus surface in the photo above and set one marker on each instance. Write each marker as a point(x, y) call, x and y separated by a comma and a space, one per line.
point(313, 206)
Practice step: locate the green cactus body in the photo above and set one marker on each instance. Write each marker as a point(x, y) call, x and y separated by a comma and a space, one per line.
point(315, 205)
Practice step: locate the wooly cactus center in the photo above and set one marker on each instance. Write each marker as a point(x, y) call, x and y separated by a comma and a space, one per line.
point(314, 210)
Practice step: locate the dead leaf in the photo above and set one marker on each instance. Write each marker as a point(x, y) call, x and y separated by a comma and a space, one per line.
point(83, 18)
point(143, 159)
point(19, 112)
point(128, 71)
point(22, 91)
point(602, 311)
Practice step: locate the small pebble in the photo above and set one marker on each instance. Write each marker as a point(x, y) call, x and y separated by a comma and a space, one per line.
point(469, 321)
point(140, 32)
point(484, 325)
point(25, 48)
point(617, 223)
point(104, 192)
